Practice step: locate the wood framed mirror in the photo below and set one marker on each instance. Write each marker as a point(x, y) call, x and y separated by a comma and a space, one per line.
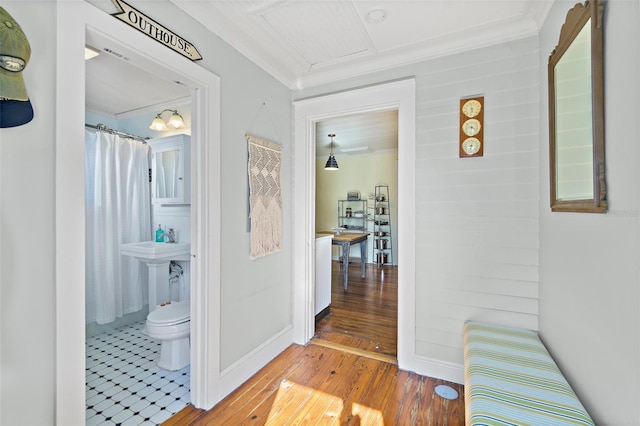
point(576, 113)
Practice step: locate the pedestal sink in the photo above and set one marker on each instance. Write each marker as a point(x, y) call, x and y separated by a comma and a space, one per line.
point(157, 256)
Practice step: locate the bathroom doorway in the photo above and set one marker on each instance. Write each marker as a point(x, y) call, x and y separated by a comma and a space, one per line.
point(123, 381)
point(74, 21)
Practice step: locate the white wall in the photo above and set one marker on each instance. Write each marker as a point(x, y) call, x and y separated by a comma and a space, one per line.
point(27, 234)
point(477, 225)
point(95, 118)
point(256, 302)
point(477, 218)
point(589, 276)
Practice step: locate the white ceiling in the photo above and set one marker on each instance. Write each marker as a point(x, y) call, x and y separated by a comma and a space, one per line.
point(116, 88)
point(358, 134)
point(304, 43)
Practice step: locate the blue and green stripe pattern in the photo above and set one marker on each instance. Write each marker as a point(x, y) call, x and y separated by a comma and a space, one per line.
point(510, 379)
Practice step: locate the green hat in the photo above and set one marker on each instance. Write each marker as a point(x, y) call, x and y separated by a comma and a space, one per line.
point(14, 56)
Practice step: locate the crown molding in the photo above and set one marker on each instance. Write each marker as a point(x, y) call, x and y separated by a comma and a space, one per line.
point(297, 75)
point(461, 42)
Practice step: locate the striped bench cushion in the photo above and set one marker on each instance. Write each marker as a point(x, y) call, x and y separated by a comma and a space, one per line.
point(510, 379)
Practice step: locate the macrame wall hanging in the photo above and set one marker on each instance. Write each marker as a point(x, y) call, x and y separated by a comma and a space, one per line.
point(265, 202)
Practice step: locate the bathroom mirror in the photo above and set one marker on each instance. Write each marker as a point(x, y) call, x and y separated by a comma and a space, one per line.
point(576, 113)
point(170, 159)
point(167, 177)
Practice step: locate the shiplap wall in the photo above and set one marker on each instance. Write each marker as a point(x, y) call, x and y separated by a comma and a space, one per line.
point(477, 218)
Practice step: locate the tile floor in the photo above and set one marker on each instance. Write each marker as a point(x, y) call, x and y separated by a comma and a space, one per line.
point(124, 386)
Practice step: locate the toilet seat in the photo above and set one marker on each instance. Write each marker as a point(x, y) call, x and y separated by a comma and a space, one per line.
point(171, 325)
point(170, 314)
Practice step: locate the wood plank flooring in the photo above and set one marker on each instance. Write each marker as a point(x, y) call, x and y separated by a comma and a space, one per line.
point(316, 385)
point(366, 315)
point(346, 376)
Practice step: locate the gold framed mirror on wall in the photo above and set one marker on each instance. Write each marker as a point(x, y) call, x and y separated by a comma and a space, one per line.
point(576, 113)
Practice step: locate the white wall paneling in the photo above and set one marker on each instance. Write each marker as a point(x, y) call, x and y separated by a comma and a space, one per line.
point(476, 219)
point(477, 226)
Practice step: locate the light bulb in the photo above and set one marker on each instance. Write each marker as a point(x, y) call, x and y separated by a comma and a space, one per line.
point(176, 121)
point(158, 124)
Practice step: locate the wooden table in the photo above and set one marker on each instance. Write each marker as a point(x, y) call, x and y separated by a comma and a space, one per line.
point(346, 240)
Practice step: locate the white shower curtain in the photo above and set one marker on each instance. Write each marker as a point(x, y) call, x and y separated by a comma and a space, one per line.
point(118, 210)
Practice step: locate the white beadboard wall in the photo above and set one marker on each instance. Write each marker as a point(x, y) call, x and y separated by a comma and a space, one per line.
point(477, 218)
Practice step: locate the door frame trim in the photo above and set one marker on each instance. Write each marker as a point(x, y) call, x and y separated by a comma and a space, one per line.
point(400, 96)
point(74, 19)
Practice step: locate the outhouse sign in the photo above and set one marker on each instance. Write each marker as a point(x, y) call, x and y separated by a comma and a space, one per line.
point(133, 17)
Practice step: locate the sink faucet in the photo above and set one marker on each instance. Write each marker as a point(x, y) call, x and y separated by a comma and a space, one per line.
point(171, 235)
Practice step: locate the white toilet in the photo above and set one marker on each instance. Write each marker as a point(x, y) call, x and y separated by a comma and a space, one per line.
point(170, 323)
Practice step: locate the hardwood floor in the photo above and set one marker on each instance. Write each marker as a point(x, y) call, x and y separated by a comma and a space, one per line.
point(347, 375)
point(366, 315)
point(316, 385)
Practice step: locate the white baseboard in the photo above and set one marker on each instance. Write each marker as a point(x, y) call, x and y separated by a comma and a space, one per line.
point(443, 370)
point(241, 370)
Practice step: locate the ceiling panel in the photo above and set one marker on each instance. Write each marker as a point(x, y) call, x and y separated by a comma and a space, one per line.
point(115, 87)
point(304, 43)
point(318, 31)
point(358, 134)
point(416, 22)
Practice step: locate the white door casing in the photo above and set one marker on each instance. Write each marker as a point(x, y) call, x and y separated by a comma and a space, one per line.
point(400, 96)
point(74, 20)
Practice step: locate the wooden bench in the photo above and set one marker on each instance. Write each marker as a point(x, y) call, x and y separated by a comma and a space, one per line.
point(510, 379)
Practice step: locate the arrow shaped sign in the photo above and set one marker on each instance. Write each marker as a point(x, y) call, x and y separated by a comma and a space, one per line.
point(133, 17)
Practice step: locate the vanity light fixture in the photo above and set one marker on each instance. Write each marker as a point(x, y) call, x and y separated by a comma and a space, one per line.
point(332, 164)
point(160, 125)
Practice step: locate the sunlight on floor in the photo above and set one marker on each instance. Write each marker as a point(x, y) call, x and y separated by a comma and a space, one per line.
point(368, 416)
point(295, 403)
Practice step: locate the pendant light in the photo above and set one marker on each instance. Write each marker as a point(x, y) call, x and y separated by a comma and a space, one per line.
point(332, 164)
